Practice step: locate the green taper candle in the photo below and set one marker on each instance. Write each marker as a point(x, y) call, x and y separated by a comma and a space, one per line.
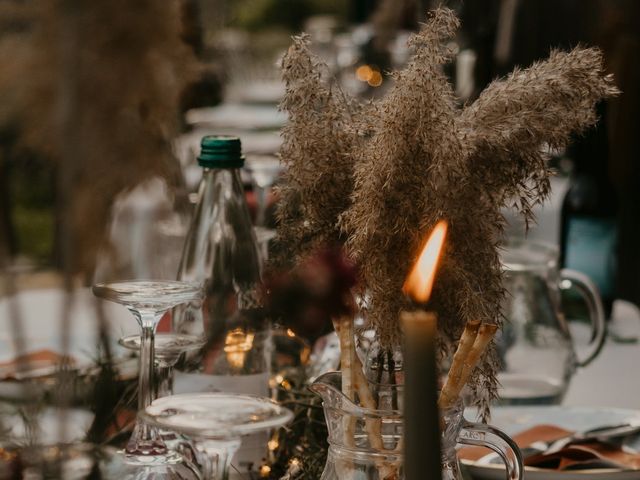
point(421, 416)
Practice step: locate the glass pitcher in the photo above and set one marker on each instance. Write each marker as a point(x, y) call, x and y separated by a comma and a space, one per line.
point(366, 444)
point(535, 346)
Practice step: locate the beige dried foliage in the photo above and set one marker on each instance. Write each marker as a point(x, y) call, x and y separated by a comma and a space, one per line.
point(95, 85)
point(502, 134)
point(410, 132)
point(316, 152)
point(423, 159)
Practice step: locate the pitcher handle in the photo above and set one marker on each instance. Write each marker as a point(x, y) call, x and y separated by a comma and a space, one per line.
point(482, 435)
point(588, 290)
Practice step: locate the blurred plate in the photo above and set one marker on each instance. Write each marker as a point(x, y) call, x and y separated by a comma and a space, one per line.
point(48, 425)
point(263, 92)
point(237, 117)
point(40, 329)
point(513, 420)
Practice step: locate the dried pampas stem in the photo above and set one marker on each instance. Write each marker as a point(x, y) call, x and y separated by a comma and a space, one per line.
point(354, 381)
point(453, 385)
point(66, 90)
point(344, 328)
point(485, 335)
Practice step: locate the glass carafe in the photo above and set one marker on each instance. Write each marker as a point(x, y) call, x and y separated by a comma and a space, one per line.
point(535, 346)
point(366, 444)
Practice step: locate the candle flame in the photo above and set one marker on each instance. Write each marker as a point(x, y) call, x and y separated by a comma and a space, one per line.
point(419, 282)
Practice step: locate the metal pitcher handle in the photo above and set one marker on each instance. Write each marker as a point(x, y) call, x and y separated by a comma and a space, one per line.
point(482, 435)
point(588, 290)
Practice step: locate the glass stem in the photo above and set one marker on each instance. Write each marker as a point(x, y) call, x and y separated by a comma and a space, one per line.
point(145, 439)
point(219, 453)
point(145, 380)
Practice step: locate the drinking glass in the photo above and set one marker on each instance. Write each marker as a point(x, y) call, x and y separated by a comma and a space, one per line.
point(216, 422)
point(148, 301)
point(167, 347)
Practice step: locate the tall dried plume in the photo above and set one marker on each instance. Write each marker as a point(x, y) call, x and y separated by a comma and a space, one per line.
point(410, 131)
point(95, 86)
point(505, 134)
point(316, 153)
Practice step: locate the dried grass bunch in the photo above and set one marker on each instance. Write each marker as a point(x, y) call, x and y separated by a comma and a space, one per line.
point(410, 131)
point(96, 86)
point(380, 181)
point(318, 178)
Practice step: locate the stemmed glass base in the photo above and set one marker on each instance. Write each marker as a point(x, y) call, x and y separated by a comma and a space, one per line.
point(148, 301)
point(216, 422)
point(168, 349)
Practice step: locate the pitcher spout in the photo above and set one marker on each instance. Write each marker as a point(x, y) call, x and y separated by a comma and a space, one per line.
point(328, 386)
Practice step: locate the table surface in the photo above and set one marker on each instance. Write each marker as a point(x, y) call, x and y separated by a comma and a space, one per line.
point(611, 379)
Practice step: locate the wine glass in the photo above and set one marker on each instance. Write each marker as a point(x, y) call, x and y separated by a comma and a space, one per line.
point(148, 300)
point(167, 348)
point(264, 170)
point(216, 422)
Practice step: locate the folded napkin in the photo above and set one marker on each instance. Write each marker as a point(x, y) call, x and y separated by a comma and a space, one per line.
point(576, 456)
point(38, 363)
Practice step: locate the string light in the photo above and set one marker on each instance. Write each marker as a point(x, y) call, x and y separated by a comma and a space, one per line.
point(376, 79)
point(273, 444)
point(363, 73)
point(370, 74)
point(265, 470)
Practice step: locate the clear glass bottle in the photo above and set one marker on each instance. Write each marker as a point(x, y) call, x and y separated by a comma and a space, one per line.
point(221, 252)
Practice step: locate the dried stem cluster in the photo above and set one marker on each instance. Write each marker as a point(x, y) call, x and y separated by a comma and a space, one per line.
point(473, 343)
point(378, 179)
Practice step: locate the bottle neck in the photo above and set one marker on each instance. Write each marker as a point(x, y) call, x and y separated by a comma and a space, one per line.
point(220, 201)
point(231, 172)
point(225, 182)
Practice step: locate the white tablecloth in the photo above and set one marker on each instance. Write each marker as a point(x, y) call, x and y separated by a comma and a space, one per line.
point(613, 378)
point(40, 312)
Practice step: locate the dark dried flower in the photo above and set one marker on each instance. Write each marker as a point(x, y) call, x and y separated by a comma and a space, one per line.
point(411, 130)
point(309, 296)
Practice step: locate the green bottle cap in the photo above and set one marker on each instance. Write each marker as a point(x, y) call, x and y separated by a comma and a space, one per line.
point(220, 151)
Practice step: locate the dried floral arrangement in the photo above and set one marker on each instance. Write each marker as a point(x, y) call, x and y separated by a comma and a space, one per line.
point(376, 178)
point(95, 86)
